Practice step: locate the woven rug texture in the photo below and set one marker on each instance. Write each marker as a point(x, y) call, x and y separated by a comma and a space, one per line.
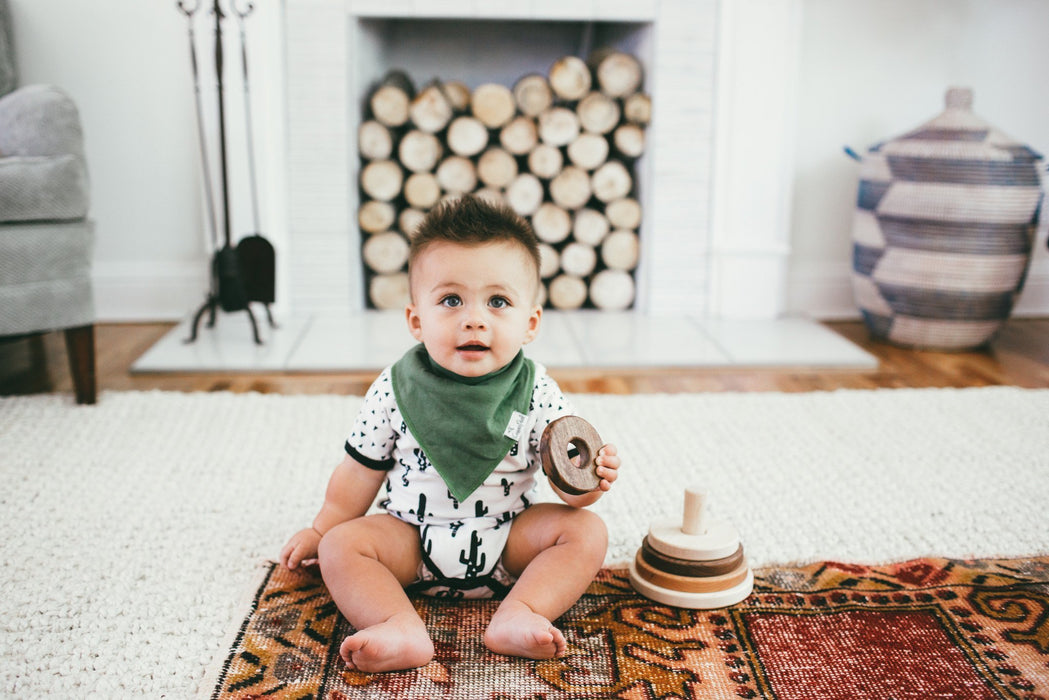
point(927, 628)
point(136, 531)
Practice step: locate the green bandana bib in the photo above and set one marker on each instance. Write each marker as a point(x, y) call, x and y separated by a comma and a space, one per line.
point(465, 425)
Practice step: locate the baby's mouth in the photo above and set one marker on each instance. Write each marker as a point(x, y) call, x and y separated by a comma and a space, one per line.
point(472, 347)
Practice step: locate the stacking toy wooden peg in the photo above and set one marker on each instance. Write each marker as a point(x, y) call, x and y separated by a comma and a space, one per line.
point(566, 431)
point(696, 562)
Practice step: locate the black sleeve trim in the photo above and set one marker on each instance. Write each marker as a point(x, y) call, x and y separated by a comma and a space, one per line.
point(379, 465)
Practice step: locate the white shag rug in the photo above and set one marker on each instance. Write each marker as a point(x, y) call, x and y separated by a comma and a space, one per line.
point(134, 530)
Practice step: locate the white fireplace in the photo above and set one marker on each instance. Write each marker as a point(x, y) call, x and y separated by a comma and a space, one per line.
point(714, 182)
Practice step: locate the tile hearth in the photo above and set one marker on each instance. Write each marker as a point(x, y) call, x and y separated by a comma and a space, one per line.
point(368, 341)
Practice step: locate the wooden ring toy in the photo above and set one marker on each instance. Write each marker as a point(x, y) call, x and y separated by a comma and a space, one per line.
point(691, 584)
point(697, 562)
point(696, 536)
point(683, 599)
point(689, 567)
point(720, 540)
point(553, 453)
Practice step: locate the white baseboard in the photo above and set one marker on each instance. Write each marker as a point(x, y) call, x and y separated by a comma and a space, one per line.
point(148, 290)
point(824, 291)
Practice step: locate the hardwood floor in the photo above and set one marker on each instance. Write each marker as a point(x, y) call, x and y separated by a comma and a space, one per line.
point(1019, 356)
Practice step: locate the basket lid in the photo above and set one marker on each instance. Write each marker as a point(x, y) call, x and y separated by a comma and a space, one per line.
point(957, 134)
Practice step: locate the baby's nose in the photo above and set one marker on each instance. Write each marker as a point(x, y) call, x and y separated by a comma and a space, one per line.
point(475, 320)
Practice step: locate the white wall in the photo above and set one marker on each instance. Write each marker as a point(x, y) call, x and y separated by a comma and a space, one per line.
point(874, 69)
point(870, 69)
point(126, 63)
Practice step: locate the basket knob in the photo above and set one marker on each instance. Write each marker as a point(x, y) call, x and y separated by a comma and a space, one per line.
point(959, 98)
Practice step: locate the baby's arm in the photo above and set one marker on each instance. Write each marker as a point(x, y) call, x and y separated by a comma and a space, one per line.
point(351, 491)
point(607, 468)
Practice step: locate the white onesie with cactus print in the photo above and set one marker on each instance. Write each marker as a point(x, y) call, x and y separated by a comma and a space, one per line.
point(462, 542)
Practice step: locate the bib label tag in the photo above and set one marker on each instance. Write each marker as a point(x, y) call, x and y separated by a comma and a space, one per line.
point(515, 427)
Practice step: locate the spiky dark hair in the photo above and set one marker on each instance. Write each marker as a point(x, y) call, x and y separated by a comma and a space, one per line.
point(471, 221)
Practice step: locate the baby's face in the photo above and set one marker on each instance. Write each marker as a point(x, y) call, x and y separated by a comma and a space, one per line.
point(473, 307)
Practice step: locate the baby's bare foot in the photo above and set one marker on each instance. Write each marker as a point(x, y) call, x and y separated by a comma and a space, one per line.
point(394, 645)
point(517, 631)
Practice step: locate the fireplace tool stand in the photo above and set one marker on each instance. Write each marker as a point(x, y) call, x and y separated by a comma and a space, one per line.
point(245, 273)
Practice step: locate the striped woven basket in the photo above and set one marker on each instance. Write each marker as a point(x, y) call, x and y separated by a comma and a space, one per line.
point(942, 235)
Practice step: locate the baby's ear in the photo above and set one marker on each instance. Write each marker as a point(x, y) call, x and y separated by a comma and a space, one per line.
point(414, 322)
point(534, 320)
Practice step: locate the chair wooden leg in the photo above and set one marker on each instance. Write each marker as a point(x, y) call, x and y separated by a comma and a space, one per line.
point(80, 344)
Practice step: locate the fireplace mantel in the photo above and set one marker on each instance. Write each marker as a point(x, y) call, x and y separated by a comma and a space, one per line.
point(715, 181)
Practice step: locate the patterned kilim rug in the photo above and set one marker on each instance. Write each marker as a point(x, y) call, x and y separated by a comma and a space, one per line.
point(926, 628)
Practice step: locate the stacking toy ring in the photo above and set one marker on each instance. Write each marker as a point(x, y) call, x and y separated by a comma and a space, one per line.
point(695, 562)
point(565, 432)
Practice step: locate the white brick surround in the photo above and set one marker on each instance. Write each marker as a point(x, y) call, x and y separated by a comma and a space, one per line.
point(714, 183)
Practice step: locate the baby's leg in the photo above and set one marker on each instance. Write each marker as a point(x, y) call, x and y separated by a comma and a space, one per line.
point(555, 550)
point(366, 563)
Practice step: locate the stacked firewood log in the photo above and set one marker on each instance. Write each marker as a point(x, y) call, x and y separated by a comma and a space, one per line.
point(558, 149)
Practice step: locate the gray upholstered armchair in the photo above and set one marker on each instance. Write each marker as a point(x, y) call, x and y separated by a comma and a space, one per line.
point(45, 236)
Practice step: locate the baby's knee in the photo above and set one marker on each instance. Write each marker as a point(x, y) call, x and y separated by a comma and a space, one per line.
point(329, 547)
point(588, 527)
point(339, 543)
point(380, 538)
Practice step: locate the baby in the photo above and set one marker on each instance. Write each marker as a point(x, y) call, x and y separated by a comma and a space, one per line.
point(451, 432)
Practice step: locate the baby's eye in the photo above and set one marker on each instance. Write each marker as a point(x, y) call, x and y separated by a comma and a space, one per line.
point(499, 302)
point(451, 301)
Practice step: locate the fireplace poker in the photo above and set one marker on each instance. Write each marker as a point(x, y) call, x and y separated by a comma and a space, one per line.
point(255, 253)
point(209, 197)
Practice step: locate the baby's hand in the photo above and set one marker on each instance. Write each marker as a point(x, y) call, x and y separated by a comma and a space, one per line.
point(301, 548)
point(607, 466)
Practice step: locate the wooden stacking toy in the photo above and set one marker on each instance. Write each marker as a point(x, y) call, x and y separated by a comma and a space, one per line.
point(570, 431)
point(695, 563)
